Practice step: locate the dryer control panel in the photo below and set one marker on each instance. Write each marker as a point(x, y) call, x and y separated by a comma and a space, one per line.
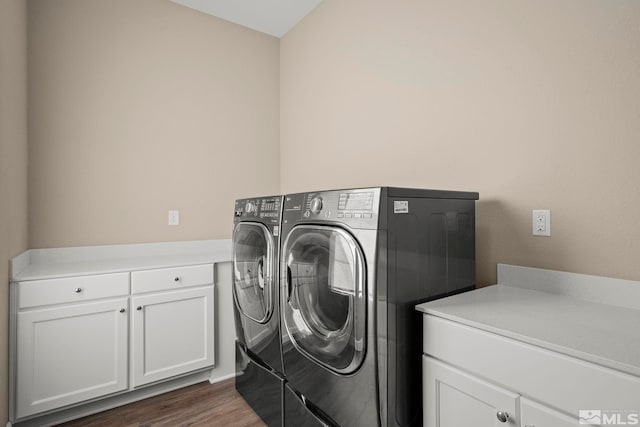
point(357, 208)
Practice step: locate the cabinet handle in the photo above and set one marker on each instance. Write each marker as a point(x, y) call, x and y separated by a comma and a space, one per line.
point(122, 310)
point(176, 279)
point(503, 417)
point(77, 290)
point(139, 308)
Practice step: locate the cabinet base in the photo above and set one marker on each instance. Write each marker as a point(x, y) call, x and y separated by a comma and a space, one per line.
point(93, 407)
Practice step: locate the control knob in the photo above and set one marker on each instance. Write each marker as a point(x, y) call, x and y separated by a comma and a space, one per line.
point(316, 205)
point(250, 207)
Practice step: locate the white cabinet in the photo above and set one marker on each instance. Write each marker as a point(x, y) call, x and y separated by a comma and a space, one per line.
point(172, 322)
point(71, 353)
point(453, 398)
point(471, 374)
point(83, 338)
point(172, 333)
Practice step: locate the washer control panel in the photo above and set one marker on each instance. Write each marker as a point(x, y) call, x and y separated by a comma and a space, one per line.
point(357, 208)
point(267, 209)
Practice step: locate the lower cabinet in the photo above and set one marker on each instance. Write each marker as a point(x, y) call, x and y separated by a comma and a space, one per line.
point(70, 354)
point(472, 377)
point(84, 338)
point(172, 333)
point(453, 398)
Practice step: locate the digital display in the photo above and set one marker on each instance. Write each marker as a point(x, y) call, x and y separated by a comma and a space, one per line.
point(356, 201)
point(270, 205)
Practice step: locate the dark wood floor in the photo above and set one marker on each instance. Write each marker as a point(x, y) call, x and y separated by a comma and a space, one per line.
point(202, 404)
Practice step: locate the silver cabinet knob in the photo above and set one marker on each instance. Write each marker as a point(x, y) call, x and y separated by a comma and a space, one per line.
point(503, 417)
point(176, 279)
point(139, 308)
point(122, 310)
point(77, 290)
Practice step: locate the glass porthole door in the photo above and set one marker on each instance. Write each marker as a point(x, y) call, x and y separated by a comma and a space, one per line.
point(253, 270)
point(323, 296)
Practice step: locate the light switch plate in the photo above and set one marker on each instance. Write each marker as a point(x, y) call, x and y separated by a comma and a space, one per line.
point(174, 217)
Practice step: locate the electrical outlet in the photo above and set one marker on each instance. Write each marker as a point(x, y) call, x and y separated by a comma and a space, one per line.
point(174, 217)
point(541, 222)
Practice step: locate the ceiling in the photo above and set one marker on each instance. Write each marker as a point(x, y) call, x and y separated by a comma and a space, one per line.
point(274, 17)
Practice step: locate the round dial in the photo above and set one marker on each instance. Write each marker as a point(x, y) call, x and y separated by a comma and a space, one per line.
point(250, 207)
point(316, 205)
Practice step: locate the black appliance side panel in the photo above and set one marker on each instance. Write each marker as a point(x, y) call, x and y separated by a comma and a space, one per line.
point(260, 387)
point(431, 254)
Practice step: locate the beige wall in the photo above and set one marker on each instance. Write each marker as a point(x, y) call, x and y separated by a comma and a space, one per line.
point(13, 163)
point(535, 105)
point(138, 107)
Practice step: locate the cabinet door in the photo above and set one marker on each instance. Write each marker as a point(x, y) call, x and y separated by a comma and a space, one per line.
point(453, 398)
point(536, 415)
point(172, 334)
point(69, 354)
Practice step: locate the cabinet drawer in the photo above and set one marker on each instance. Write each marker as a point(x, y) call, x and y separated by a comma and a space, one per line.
point(562, 382)
point(533, 414)
point(72, 289)
point(171, 278)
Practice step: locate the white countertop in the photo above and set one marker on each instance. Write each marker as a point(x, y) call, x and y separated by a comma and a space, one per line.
point(36, 264)
point(605, 334)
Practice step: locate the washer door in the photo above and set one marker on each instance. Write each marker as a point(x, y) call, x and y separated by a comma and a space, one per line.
point(253, 270)
point(323, 296)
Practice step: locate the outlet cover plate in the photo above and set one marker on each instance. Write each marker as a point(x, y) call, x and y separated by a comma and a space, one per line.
point(541, 222)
